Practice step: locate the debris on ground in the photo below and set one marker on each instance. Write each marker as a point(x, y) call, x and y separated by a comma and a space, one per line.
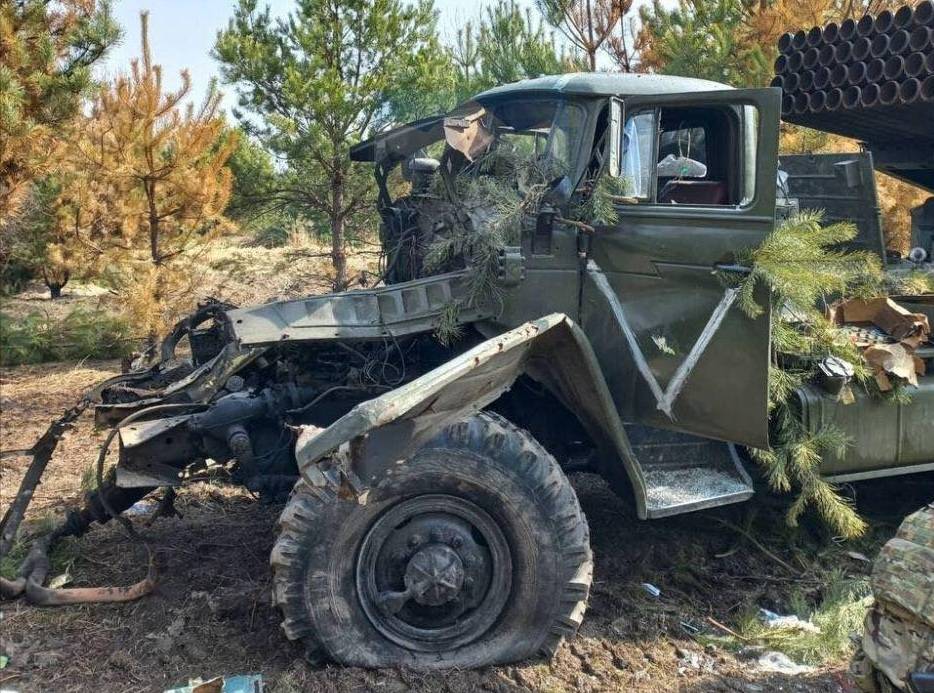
point(780, 663)
point(251, 683)
point(773, 620)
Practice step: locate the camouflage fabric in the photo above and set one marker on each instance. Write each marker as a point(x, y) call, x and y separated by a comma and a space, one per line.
point(899, 629)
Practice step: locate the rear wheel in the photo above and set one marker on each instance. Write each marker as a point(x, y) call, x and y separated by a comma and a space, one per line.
point(472, 552)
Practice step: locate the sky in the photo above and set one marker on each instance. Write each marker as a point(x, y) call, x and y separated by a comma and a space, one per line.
point(182, 33)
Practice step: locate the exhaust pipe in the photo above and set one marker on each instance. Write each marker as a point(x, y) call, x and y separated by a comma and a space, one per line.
point(927, 89)
point(888, 94)
point(885, 22)
point(817, 101)
point(784, 43)
point(924, 13)
point(826, 55)
point(869, 96)
point(914, 65)
point(875, 73)
point(851, 97)
point(831, 33)
point(781, 64)
point(822, 77)
point(894, 67)
point(910, 91)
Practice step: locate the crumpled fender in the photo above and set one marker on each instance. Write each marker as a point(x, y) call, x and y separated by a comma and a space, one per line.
point(553, 350)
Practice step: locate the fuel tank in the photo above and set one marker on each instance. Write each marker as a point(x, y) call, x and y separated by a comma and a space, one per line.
point(886, 437)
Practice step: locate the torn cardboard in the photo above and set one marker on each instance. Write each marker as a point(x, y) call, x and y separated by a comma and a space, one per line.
point(469, 134)
point(908, 330)
point(893, 359)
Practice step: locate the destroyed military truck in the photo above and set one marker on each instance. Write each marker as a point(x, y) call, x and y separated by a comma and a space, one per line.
point(420, 430)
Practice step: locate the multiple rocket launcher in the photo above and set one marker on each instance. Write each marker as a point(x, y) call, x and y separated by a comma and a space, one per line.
point(871, 79)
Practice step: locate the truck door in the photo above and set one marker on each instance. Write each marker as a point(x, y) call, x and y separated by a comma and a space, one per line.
point(699, 172)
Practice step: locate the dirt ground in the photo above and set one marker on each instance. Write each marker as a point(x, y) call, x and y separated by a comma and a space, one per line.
point(211, 613)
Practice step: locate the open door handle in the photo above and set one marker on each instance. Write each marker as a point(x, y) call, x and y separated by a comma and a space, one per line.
point(729, 267)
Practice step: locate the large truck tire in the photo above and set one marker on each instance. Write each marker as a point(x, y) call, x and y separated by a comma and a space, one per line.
point(472, 552)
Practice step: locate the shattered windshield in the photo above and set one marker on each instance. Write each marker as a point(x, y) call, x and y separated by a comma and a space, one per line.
point(542, 133)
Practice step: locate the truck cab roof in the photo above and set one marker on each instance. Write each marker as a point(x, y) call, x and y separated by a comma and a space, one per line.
point(404, 139)
point(602, 84)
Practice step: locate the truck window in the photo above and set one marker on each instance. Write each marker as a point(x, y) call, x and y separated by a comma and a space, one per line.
point(687, 155)
point(638, 150)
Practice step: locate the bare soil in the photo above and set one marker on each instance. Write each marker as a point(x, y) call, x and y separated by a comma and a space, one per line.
point(211, 613)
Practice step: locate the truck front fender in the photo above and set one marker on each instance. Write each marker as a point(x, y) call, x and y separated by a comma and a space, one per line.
point(553, 350)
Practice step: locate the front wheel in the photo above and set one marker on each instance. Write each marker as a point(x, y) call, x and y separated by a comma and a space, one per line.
point(472, 552)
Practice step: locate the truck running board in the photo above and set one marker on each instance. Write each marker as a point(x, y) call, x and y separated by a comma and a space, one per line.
point(684, 473)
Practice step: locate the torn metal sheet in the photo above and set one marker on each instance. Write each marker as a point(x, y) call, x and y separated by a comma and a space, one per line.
point(379, 432)
point(665, 398)
point(405, 308)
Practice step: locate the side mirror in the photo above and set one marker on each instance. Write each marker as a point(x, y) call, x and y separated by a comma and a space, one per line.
point(615, 134)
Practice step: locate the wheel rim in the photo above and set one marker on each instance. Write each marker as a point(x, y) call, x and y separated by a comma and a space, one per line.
point(433, 573)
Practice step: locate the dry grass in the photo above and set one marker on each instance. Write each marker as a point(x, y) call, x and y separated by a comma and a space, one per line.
point(231, 270)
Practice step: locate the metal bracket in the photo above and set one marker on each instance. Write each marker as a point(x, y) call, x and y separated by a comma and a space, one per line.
point(511, 266)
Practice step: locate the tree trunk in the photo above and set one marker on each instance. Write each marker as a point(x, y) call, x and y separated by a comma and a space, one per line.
point(338, 241)
point(55, 286)
point(158, 295)
point(338, 254)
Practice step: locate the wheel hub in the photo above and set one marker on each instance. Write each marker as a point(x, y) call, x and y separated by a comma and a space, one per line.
point(434, 571)
point(434, 575)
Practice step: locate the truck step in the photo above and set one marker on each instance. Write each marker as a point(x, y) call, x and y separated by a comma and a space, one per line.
point(685, 473)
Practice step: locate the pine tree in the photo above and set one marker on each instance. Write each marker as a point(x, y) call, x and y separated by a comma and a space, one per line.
point(315, 84)
point(506, 45)
point(47, 50)
point(157, 169)
point(587, 24)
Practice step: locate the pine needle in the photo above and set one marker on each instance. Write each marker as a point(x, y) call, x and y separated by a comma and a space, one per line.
point(804, 268)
